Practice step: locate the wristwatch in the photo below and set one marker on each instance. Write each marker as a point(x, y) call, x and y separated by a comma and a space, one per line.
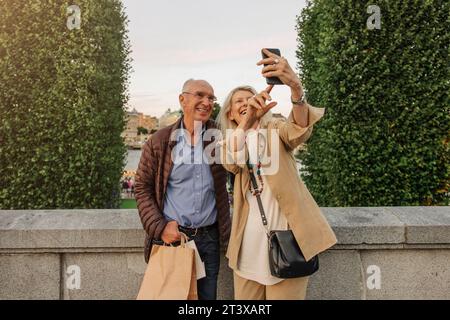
point(300, 101)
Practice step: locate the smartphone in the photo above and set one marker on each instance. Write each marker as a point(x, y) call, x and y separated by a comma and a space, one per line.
point(272, 80)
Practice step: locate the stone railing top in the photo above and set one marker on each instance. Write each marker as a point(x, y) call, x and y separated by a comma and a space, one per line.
point(72, 229)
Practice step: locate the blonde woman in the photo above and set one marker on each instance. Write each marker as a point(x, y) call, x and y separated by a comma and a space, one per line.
point(287, 203)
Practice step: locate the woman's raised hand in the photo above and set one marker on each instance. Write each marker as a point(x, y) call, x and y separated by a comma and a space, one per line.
point(257, 107)
point(279, 67)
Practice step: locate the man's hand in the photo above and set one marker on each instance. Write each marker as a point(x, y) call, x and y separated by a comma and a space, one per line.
point(170, 233)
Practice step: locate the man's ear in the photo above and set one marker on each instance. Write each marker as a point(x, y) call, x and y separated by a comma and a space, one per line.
point(181, 99)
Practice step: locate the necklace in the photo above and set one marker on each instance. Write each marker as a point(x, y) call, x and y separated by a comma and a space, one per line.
point(258, 173)
point(258, 170)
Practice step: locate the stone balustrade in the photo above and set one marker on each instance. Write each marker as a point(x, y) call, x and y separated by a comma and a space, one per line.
point(383, 253)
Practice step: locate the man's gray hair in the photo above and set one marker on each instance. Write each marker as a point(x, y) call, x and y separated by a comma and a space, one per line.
point(186, 84)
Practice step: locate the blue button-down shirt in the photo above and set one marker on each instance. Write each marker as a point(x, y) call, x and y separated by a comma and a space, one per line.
point(190, 197)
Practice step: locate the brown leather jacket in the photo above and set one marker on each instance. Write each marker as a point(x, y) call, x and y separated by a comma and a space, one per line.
point(152, 175)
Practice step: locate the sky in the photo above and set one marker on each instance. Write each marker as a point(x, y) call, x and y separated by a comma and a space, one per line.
point(218, 41)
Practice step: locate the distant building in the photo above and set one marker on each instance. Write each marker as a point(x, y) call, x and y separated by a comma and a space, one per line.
point(148, 122)
point(169, 117)
point(135, 120)
point(130, 134)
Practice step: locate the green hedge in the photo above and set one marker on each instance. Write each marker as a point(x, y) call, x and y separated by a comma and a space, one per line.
point(384, 138)
point(62, 97)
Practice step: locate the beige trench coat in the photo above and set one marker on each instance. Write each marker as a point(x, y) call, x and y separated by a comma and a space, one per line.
point(310, 228)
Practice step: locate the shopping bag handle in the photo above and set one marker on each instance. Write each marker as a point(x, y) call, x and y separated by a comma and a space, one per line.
point(183, 241)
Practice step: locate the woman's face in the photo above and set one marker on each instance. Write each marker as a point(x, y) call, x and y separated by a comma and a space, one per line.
point(239, 105)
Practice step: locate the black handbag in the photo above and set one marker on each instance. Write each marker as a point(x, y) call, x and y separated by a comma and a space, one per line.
point(286, 260)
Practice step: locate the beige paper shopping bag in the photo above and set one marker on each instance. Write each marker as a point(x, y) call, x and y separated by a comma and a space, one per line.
point(170, 274)
point(199, 264)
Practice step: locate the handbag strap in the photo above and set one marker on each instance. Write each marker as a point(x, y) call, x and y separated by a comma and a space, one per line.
point(258, 196)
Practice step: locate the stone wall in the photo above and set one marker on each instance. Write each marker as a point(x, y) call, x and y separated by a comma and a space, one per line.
point(383, 253)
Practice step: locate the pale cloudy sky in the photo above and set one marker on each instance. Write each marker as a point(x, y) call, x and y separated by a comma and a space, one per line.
point(219, 41)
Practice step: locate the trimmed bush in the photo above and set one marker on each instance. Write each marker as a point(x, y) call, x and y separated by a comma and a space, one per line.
point(384, 138)
point(62, 98)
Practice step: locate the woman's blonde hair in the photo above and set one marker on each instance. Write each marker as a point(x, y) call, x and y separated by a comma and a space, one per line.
point(223, 120)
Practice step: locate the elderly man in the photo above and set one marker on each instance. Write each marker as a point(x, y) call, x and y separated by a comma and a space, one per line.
point(176, 194)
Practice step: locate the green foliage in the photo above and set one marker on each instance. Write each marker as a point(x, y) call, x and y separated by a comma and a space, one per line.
point(62, 97)
point(128, 204)
point(216, 110)
point(142, 130)
point(384, 138)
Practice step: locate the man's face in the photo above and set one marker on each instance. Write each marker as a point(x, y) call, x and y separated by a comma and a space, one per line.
point(198, 101)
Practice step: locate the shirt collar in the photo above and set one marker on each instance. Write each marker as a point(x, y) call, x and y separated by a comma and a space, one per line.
point(182, 135)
